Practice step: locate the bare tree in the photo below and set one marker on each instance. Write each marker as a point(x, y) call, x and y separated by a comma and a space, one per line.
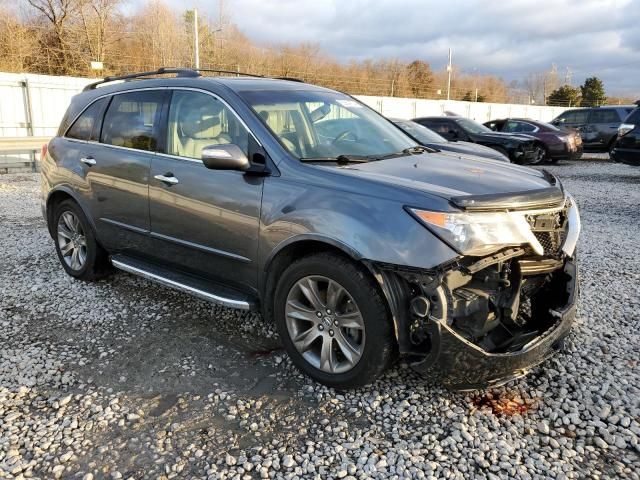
point(98, 21)
point(59, 13)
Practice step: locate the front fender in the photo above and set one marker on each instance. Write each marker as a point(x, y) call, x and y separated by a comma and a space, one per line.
point(365, 227)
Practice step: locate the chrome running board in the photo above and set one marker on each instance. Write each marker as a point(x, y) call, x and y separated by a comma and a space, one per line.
point(137, 268)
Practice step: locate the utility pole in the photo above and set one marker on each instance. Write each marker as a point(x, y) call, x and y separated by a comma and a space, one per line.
point(567, 76)
point(196, 46)
point(449, 77)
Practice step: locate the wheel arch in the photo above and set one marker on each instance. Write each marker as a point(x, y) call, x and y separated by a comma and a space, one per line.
point(303, 245)
point(59, 195)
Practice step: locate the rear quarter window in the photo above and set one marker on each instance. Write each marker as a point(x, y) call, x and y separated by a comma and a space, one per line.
point(604, 116)
point(86, 126)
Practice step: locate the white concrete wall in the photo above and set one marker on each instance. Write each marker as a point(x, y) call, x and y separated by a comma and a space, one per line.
point(50, 96)
point(407, 108)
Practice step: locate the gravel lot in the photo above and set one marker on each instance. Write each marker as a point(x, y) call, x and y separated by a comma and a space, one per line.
point(126, 379)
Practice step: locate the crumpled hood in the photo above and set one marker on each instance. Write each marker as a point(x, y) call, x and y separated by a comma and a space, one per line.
point(439, 174)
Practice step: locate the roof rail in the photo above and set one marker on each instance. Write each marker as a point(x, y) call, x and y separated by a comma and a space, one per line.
point(232, 72)
point(181, 72)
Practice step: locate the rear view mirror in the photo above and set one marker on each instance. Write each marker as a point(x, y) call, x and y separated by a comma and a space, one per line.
point(320, 112)
point(225, 157)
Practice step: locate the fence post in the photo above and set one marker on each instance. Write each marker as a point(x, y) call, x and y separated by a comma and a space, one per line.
point(28, 114)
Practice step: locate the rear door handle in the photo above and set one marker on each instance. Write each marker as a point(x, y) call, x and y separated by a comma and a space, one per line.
point(88, 161)
point(168, 179)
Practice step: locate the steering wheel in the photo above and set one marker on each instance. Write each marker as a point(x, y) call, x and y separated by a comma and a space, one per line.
point(343, 135)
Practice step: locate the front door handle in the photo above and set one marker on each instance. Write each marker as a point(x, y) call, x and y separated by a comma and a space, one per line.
point(88, 161)
point(169, 179)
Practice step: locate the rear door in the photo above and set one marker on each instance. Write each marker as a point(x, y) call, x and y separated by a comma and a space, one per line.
point(119, 171)
point(204, 222)
point(603, 127)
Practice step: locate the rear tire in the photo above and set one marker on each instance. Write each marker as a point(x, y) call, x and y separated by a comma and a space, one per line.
point(78, 251)
point(342, 340)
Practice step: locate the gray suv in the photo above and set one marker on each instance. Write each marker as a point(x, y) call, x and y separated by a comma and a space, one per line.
point(360, 245)
point(598, 126)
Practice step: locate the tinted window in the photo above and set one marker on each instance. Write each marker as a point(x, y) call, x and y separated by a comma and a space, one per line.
point(132, 120)
point(198, 120)
point(421, 133)
point(574, 116)
point(604, 116)
point(86, 126)
point(513, 126)
point(472, 126)
point(439, 126)
point(634, 118)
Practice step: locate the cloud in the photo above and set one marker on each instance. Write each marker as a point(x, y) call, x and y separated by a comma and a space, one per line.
point(510, 39)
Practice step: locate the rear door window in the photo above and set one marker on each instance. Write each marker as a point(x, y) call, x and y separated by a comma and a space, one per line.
point(132, 120)
point(604, 116)
point(514, 126)
point(87, 125)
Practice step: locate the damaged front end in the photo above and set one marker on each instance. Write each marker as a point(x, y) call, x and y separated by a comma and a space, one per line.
point(480, 321)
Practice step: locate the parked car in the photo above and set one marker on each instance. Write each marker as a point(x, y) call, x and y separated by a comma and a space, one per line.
point(558, 144)
point(361, 246)
point(431, 139)
point(518, 148)
point(598, 126)
point(627, 147)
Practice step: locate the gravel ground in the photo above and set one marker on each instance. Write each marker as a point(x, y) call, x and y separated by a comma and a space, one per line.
point(126, 379)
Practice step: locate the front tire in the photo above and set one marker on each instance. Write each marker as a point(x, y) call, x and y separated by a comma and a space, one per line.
point(78, 251)
point(333, 321)
point(540, 155)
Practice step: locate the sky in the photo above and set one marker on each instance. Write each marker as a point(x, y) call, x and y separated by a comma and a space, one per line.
point(508, 38)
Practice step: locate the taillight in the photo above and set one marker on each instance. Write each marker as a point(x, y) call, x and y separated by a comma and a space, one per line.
point(625, 128)
point(43, 151)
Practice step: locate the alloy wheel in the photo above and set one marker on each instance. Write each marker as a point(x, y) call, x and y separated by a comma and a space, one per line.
point(539, 155)
point(325, 324)
point(72, 241)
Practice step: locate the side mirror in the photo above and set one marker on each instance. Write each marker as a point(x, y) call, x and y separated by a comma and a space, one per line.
point(452, 134)
point(225, 157)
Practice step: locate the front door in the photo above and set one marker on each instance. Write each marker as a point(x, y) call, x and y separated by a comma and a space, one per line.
point(204, 222)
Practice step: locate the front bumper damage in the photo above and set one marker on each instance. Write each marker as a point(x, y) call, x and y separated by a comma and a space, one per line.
point(480, 322)
point(462, 365)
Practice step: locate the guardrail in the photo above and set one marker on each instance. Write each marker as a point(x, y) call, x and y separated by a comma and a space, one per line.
point(19, 154)
point(22, 144)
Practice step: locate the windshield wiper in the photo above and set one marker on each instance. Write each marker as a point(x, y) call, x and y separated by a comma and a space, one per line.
point(341, 159)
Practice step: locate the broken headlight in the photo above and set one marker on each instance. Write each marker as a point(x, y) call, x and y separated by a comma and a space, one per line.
point(479, 233)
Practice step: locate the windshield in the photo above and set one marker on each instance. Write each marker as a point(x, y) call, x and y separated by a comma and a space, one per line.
point(420, 132)
point(315, 124)
point(472, 126)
